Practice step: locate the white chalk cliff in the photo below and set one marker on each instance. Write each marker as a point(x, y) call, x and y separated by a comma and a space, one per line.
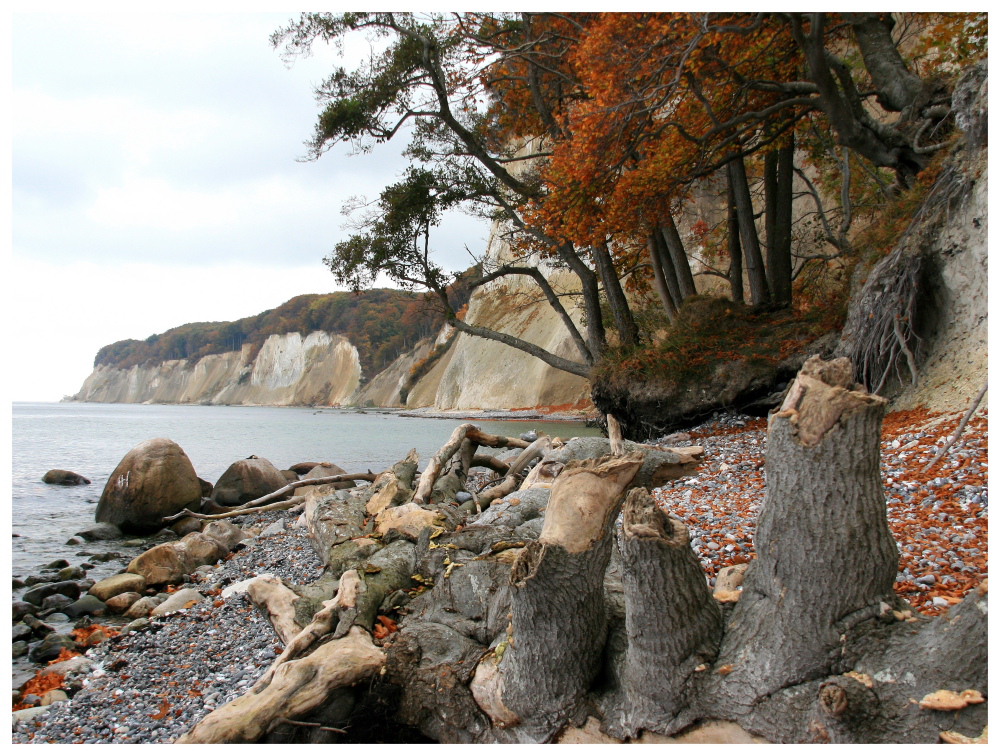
point(321, 368)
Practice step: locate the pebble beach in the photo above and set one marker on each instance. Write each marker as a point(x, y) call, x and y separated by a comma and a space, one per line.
point(152, 684)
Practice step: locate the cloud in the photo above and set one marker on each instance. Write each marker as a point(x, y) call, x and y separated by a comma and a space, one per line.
point(157, 181)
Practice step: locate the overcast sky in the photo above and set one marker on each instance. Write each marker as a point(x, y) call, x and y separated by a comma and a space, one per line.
point(157, 181)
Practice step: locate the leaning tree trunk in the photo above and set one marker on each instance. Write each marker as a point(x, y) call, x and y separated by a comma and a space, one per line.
point(760, 294)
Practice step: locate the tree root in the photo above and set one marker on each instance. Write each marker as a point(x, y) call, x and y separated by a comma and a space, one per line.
point(296, 688)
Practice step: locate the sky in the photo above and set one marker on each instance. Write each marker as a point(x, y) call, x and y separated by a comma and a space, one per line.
point(158, 179)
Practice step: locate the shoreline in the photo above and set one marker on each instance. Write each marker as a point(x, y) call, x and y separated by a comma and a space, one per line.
point(225, 641)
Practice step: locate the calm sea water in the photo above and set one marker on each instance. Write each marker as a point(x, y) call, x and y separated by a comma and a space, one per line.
point(91, 439)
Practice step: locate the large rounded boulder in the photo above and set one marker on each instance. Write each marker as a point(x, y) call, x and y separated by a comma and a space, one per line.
point(154, 480)
point(246, 480)
point(328, 469)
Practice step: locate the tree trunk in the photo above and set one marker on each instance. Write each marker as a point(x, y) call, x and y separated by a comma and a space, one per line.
point(735, 248)
point(678, 256)
point(558, 622)
point(666, 299)
point(825, 555)
point(621, 313)
point(669, 271)
point(672, 622)
point(897, 87)
point(778, 222)
point(759, 292)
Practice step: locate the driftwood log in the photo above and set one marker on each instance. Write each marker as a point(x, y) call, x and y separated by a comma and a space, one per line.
point(575, 599)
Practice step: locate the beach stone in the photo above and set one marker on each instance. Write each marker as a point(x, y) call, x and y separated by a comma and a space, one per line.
point(39, 628)
point(325, 470)
point(21, 632)
point(177, 601)
point(120, 603)
point(58, 564)
point(74, 541)
point(125, 582)
point(87, 605)
point(158, 565)
point(26, 715)
point(50, 647)
point(55, 601)
point(18, 649)
point(274, 528)
point(64, 478)
point(77, 665)
point(40, 592)
point(20, 608)
point(50, 697)
point(246, 480)
point(196, 549)
point(17, 583)
point(71, 573)
point(154, 480)
point(137, 625)
point(143, 607)
point(187, 525)
point(224, 532)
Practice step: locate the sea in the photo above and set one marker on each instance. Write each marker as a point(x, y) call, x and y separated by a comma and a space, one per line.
point(91, 439)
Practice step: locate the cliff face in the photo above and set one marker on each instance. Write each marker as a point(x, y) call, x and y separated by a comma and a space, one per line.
point(289, 370)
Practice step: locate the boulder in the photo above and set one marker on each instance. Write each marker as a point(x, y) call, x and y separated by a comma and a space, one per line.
point(20, 608)
point(51, 646)
point(55, 601)
point(246, 480)
point(120, 603)
point(40, 592)
point(64, 478)
point(187, 525)
point(196, 549)
point(154, 480)
point(143, 607)
point(103, 531)
point(325, 470)
point(125, 582)
point(301, 468)
point(224, 532)
point(160, 564)
point(178, 601)
point(86, 605)
point(169, 562)
point(21, 632)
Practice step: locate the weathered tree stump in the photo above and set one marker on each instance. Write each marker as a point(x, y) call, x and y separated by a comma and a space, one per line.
point(514, 625)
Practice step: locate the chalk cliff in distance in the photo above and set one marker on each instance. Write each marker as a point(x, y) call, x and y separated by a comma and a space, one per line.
point(321, 368)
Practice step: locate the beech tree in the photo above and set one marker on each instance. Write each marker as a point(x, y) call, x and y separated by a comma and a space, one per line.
point(429, 79)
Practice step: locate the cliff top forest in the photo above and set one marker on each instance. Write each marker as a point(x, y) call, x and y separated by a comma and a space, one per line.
point(380, 323)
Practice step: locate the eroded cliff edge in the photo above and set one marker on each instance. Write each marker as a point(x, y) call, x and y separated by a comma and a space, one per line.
point(289, 369)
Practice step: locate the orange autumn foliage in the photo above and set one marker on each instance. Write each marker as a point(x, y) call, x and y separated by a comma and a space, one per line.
point(39, 685)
